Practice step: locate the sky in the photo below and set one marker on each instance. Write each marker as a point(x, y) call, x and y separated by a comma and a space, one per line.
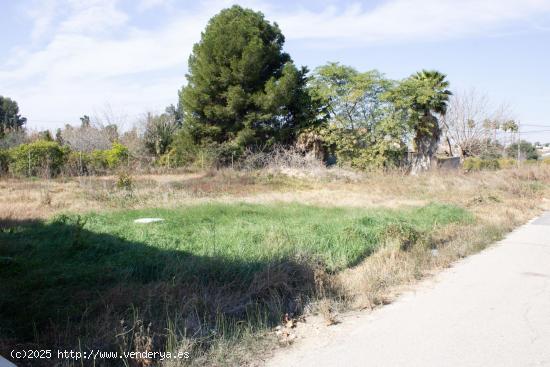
point(61, 59)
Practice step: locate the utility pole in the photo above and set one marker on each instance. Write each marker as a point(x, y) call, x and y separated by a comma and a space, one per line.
point(519, 143)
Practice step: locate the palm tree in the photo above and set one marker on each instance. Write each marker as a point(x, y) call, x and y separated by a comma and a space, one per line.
point(430, 99)
point(512, 127)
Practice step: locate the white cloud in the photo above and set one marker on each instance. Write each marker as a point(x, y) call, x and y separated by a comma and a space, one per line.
point(144, 5)
point(42, 16)
point(93, 17)
point(93, 55)
point(404, 20)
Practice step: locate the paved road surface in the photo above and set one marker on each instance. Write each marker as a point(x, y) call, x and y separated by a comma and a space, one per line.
point(492, 309)
point(5, 363)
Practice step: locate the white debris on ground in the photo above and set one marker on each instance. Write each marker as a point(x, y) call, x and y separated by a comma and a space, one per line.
point(148, 220)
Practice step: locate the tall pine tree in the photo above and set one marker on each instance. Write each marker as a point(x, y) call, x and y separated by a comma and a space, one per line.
point(242, 88)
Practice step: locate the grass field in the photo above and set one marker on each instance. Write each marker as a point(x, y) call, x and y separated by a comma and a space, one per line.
point(222, 269)
point(55, 271)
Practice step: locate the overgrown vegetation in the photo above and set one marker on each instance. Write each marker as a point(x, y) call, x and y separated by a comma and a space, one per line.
point(41, 156)
point(198, 273)
point(282, 193)
point(216, 277)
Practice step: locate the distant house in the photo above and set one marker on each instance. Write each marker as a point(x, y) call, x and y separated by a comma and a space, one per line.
point(544, 152)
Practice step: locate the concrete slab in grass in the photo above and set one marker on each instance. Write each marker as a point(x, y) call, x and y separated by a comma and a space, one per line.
point(148, 220)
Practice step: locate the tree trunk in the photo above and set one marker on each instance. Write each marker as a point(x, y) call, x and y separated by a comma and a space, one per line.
point(450, 147)
point(426, 141)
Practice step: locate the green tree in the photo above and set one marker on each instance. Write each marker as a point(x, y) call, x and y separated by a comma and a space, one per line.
point(111, 132)
point(512, 127)
point(45, 135)
point(176, 113)
point(352, 99)
point(242, 88)
point(526, 150)
point(85, 121)
point(159, 132)
point(422, 97)
point(364, 129)
point(59, 136)
point(10, 118)
point(44, 158)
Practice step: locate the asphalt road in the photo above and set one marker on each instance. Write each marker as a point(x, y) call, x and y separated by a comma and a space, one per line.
point(5, 363)
point(492, 309)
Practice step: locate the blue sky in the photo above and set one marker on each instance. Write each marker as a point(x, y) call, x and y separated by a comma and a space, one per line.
point(61, 59)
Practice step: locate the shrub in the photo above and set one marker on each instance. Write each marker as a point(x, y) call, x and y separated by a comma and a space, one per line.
point(507, 162)
point(125, 181)
point(490, 164)
point(101, 160)
point(185, 152)
point(117, 155)
point(358, 148)
point(98, 160)
point(472, 164)
point(77, 163)
point(206, 156)
point(477, 164)
point(159, 132)
point(527, 150)
point(401, 235)
point(4, 161)
point(227, 153)
point(39, 157)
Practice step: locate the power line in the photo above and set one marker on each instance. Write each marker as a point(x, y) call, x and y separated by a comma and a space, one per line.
point(536, 125)
point(535, 131)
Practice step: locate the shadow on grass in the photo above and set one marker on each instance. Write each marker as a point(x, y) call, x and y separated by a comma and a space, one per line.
point(62, 286)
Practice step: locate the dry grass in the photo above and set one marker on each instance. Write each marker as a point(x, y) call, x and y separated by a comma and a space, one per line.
point(482, 192)
point(500, 201)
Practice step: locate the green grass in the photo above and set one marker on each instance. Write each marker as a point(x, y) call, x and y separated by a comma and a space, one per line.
point(337, 237)
point(208, 259)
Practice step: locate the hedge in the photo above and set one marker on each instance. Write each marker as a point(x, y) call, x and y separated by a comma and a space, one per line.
point(477, 164)
point(45, 158)
point(48, 158)
point(108, 159)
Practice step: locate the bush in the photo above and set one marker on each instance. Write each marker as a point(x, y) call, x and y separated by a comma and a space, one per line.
point(477, 164)
point(98, 160)
point(117, 155)
point(227, 154)
point(358, 148)
point(527, 150)
point(4, 161)
point(507, 163)
point(125, 181)
point(159, 132)
point(185, 152)
point(472, 164)
point(39, 157)
point(77, 163)
point(102, 160)
point(490, 164)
